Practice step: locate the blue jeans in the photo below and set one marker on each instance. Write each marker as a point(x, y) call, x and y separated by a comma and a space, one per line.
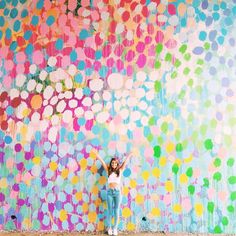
point(113, 203)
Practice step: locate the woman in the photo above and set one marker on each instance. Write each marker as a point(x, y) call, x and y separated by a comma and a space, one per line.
point(114, 171)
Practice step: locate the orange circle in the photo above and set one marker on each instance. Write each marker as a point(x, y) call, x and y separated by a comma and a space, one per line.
point(36, 101)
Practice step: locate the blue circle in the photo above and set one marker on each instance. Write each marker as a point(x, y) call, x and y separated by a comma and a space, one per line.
point(29, 49)
point(81, 65)
point(86, 91)
point(58, 205)
point(88, 71)
point(24, 13)
point(8, 139)
point(127, 172)
point(84, 34)
point(95, 129)
point(13, 13)
point(10, 110)
point(14, 3)
point(59, 44)
point(81, 121)
point(40, 4)
point(6, 12)
point(98, 55)
point(2, 4)
point(65, 225)
point(35, 20)
point(68, 207)
point(78, 78)
point(216, 16)
point(2, 21)
point(8, 33)
point(17, 26)
point(27, 35)
point(50, 20)
point(73, 56)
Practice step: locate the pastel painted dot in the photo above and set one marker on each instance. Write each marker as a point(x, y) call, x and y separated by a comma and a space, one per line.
point(59, 44)
point(50, 20)
point(115, 81)
point(35, 20)
point(37, 57)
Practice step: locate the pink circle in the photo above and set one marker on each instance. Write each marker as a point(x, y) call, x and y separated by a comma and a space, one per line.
point(140, 47)
point(141, 61)
point(20, 57)
point(129, 70)
point(171, 9)
point(7, 82)
point(159, 37)
point(44, 29)
point(95, 15)
point(72, 4)
point(8, 65)
point(119, 65)
point(65, 61)
point(37, 57)
point(85, 3)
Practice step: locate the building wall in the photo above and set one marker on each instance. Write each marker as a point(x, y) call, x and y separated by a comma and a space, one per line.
point(153, 77)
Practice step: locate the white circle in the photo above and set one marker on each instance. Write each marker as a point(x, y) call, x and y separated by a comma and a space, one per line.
point(32, 69)
point(55, 120)
point(88, 115)
point(102, 117)
point(68, 83)
point(96, 85)
point(14, 93)
point(39, 88)
point(52, 61)
point(61, 106)
point(24, 94)
point(48, 110)
point(87, 101)
point(96, 107)
point(124, 113)
point(72, 70)
point(106, 96)
point(48, 92)
point(115, 81)
point(68, 94)
point(79, 93)
point(58, 87)
point(79, 112)
point(96, 97)
point(141, 76)
point(52, 134)
point(43, 75)
point(73, 103)
point(35, 118)
point(67, 116)
point(20, 80)
point(31, 85)
point(129, 84)
point(54, 100)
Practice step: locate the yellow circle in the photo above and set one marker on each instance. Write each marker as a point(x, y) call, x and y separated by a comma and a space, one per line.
point(170, 147)
point(85, 207)
point(156, 211)
point(75, 180)
point(145, 175)
point(133, 183)
point(78, 196)
point(83, 163)
point(139, 199)
point(64, 173)
point(162, 161)
point(183, 179)
point(156, 172)
point(169, 186)
point(3, 183)
point(130, 226)
point(177, 208)
point(53, 165)
point(199, 209)
point(92, 216)
point(36, 160)
point(126, 212)
point(63, 215)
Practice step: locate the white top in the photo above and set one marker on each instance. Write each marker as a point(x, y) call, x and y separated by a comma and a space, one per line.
point(113, 178)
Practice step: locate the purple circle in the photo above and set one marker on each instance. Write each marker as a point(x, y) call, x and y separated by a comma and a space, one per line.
point(230, 63)
point(225, 82)
point(232, 42)
point(27, 156)
point(230, 93)
point(222, 60)
point(209, 20)
point(40, 216)
point(227, 12)
point(20, 202)
point(219, 116)
point(208, 56)
point(2, 157)
point(15, 187)
point(44, 182)
point(20, 166)
point(218, 98)
point(2, 197)
point(204, 4)
point(212, 70)
point(212, 35)
point(214, 46)
point(18, 147)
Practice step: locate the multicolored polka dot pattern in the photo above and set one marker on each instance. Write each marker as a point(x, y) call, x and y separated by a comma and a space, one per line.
point(153, 77)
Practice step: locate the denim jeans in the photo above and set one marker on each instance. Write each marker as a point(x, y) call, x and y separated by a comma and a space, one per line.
point(113, 203)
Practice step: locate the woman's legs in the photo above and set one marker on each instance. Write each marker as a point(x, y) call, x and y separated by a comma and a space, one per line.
point(116, 199)
point(109, 207)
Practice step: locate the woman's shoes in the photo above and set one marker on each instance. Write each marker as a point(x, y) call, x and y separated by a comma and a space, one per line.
point(115, 232)
point(110, 231)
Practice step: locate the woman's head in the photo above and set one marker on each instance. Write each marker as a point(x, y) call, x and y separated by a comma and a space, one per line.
point(114, 166)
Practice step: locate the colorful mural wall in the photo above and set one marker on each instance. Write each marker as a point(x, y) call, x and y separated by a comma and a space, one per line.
point(154, 77)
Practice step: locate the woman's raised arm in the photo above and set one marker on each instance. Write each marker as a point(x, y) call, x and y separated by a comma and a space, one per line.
point(125, 161)
point(99, 158)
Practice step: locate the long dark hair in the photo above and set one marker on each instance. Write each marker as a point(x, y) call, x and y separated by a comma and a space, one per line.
point(111, 170)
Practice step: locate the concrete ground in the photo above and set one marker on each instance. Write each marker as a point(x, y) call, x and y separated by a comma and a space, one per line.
point(100, 234)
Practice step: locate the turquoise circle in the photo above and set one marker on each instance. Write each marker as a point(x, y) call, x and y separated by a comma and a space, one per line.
point(223, 5)
point(73, 56)
point(78, 78)
point(50, 20)
point(61, 197)
point(81, 65)
point(54, 148)
point(46, 220)
point(6, 12)
point(38, 136)
point(13, 13)
point(2, 4)
point(68, 207)
point(17, 26)
point(47, 146)
point(44, 207)
point(14, 3)
point(51, 198)
point(234, 10)
point(10, 110)
point(202, 16)
point(220, 40)
point(59, 44)
point(40, 4)
point(81, 121)
point(216, 7)
point(98, 55)
point(1, 34)
point(74, 219)
point(183, 22)
point(88, 71)
point(202, 35)
point(228, 21)
point(127, 172)
point(2, 21)
point(70, 136)
point(95, 129)
point(35, 20)
point(8, 139)
point(24, 13)
point(86, 91)
point(65, 225)
point(80, 136)
point(49, 173)
point(95, 142)
point(27, 34)
point(22, 1)
point(103, 71)
point(29, 49)
point(8, 33)
point(83, 34)
point(216, 16)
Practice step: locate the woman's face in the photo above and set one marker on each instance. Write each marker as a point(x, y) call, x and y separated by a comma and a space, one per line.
point(114, 164)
